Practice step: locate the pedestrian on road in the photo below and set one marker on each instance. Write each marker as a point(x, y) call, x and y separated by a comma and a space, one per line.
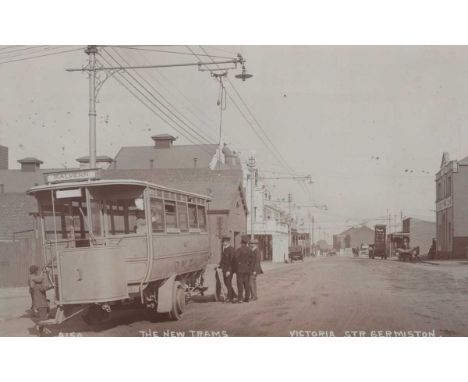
point(227, 265)
point(256, 268)
point(39, 286)
point(33, 269)
point(244, 266)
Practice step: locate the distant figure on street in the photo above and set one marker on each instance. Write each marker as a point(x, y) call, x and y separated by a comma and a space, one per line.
point(432, 250)
point(227, 266)
point(256, 268)
point(244, 266)
point(38, 284)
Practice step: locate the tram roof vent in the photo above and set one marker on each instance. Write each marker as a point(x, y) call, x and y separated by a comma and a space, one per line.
point(163, 141)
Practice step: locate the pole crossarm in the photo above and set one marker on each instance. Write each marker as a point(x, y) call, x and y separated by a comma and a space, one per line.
point(199, 64)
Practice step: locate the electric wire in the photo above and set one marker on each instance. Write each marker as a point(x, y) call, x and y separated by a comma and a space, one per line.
point(40, 56)
point(279, 157)
point(187, 135)
point(203, 139)
point(205, 120)
point(42, 49)
point(205, 136)
point(254, 119)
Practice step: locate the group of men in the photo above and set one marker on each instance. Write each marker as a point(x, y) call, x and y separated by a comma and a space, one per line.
point(245, 263)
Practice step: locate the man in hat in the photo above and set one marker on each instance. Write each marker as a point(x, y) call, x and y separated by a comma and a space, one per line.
point(256, 268)
point(244, 266)
point(227, 267)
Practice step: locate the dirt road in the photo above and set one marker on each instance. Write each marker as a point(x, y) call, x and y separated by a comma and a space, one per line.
point(331, 296)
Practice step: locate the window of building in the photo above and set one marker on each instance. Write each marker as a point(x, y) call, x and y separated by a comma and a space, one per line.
point(439, 190)
point(157, 215)
point(449, 186)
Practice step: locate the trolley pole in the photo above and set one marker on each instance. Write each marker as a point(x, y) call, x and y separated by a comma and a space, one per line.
point(91, 51)
point(251, 165)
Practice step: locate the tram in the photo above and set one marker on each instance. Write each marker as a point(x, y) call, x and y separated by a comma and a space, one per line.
point(113, 243)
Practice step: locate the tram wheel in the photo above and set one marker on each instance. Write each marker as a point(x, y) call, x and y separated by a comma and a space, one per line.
point(95, 316)
point(178, 302)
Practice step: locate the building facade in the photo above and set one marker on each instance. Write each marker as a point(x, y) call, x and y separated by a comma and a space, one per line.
point(452, 208)
point(269, 222)
point(353, 238)
point(420, 233)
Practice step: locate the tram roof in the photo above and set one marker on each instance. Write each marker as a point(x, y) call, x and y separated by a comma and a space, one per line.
point(110, 182)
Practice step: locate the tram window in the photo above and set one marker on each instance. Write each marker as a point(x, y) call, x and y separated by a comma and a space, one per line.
point(171, 216)
point(50, 226)
point(201, 217)
point(96, 217)
point(115, 216)
point(192, 212)
point(182, 214)
point(157, 215)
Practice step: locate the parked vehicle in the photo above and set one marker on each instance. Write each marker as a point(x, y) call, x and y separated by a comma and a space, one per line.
point(364, 250)
point(114, 243)
point(296, 253)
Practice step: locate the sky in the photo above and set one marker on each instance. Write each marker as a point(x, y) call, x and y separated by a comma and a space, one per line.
point(368, 123)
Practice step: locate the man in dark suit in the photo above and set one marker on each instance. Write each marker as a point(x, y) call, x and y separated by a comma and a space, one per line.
point(227, 267)
point(244, 266)
point(256, 268)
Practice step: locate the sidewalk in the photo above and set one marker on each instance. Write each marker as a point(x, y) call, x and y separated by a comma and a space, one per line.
point(15, 302)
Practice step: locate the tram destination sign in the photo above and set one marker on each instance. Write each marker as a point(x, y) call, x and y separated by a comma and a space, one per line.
point(72, 175)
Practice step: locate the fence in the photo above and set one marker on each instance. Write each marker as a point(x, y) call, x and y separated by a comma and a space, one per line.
point(15, 259)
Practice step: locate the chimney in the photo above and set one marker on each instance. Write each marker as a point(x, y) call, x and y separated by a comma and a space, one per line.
point(195, 162)
point(30, 164)
point(163, 141)
point(3, 158)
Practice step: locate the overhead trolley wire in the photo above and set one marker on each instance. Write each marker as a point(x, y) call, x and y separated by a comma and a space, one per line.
point(279, 157)
point(41, 55)
point(184, 132)
point(205, 136)
point(193, 109)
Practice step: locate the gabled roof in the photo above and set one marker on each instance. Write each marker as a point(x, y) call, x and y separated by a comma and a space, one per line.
point(224, 186)
point(353, 230)
point(463, 162)
point(179, 156)
point(445, 159)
